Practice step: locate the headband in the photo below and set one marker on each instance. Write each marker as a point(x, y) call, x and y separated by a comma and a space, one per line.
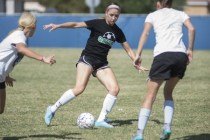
point(113, 6)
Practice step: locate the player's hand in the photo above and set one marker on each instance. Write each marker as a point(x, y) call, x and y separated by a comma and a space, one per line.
point(137, 64)
point(190, 56)
point(51, 26)
point(143, 69)
point(49, 60)
point(9, 81)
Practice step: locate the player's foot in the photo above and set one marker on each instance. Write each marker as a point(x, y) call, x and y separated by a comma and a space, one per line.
point(103, 124)
point(165, 135)
point(137, 137)
point(48, 116)
point(108, 120)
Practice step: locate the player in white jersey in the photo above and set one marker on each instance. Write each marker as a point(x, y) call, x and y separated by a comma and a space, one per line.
point(170, 60)
point(13, 48)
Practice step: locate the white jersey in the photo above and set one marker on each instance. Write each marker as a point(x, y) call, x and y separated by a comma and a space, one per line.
point(167, 23)
point(9, 55)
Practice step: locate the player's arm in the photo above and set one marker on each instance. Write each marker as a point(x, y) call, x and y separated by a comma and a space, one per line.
point(143, 38)
point(65, 25)
point(142, 41)
point(191, 38)
point(21, 48)
point(131, 54)
point(128, 50)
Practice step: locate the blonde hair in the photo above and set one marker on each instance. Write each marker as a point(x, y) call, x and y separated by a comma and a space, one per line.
point(27, 19)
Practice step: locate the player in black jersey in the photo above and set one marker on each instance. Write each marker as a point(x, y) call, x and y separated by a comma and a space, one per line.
point(93, 60)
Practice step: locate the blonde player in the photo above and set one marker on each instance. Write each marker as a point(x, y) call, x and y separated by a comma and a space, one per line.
point(12, 50)
point(170, 60)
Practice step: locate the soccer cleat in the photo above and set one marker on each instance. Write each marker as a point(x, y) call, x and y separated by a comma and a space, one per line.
point(108, 120)
point(165, 135)
point(137, 137)
point(103, 124)
point(48, 116)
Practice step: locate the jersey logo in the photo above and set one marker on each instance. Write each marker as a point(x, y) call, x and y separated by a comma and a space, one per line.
point(107, 39)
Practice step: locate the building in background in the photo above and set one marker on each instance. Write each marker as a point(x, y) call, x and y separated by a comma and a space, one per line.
point(17, 6)
point(197, 7)
point(2, 6)
point(192, 7)
point(33, 5)
point(11, 6)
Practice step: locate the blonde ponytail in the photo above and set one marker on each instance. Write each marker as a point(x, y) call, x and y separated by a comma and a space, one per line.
point(26, 20)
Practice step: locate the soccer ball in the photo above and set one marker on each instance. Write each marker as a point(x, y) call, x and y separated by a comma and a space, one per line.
point(86, 120)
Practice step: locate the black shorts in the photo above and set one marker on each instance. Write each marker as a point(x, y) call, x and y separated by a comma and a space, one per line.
point(168, 65)
point(2, 85)
point(94, 63)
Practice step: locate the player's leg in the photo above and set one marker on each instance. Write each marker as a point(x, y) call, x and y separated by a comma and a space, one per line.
point(144, 114)
point(168, 106)
point(2, 97)
point(179, 61)
point(82, 77)
point(2, 100)
point(152, 89)
point(83, 74)
point(108, 79)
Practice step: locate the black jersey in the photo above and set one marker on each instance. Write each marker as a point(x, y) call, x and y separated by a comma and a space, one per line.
point(101, 38)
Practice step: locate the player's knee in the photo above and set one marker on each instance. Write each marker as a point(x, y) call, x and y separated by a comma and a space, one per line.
point(115, 90)
point(79, 90)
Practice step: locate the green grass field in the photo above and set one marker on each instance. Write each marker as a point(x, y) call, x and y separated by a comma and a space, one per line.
point(39, 85)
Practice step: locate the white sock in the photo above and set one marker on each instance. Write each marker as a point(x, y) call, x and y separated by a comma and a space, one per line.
point(142, 121)
point(108, 104)
point(168, 114)
point(65, 98)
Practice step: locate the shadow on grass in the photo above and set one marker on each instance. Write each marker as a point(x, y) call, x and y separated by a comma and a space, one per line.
point(157, 121)
point(129, 122)
point(191, 137)
point(194, 137)
point(123, 122)
point(41, 136)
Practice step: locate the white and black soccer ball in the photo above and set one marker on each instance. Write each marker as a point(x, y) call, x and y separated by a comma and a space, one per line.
point(109, 35)
point(85, 120)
